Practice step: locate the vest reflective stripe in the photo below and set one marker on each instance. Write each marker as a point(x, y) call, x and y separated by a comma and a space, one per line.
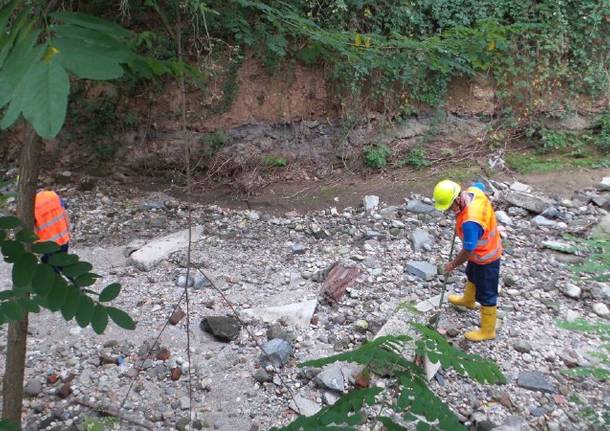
point(479, 210)
point(51, 219)
point(50, 222)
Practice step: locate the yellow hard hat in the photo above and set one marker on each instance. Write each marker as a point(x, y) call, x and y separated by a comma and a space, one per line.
point(445, 193)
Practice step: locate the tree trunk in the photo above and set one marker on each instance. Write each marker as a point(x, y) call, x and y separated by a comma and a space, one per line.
point(12, 388)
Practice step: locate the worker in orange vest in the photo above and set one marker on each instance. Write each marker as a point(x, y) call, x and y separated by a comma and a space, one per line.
point(51, 221)
point(482, 247)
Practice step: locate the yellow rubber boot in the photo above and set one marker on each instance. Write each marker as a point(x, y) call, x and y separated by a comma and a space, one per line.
point(488, 326)
point(467, 300)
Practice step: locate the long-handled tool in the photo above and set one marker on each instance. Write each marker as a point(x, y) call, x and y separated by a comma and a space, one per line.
point(433, 321)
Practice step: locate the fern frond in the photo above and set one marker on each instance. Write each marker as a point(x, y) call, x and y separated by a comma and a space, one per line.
point(341, 416)
point(418, 402)
point(437, 349)
point(383, 355)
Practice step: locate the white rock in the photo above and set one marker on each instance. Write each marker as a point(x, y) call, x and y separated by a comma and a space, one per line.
point(297, 314)
point(520, 187)
point(572, 291)
point(604, 184)
point(503, 218)
point(370, 202)
point(601, 310)
point(571, 316)
point(304, 406)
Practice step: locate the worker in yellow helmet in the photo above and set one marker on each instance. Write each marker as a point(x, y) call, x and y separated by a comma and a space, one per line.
point(482, 248)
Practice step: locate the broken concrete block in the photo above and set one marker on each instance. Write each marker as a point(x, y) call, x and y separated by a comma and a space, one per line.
point(421, 269)
point(331, 378)
point(604, 184)
point(151, 254)
point(297, 314)
point(520, 187)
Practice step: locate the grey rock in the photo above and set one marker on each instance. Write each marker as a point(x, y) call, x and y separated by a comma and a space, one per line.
point(571, 290)
point(485, 425)
point(181, 281)
point(361, 325)
point(276, 352)
point(604, 184)
point(562, 247)
point(262, 376)
point(182, 423)
point(520, 187)
point(200, 282)
point(158, 205)
point(277, 331)
point(527, 201)
point(298, 248)
point(223, 328)
point(553, 426)
point(517, 212)
point(184, 403)
point(370, 202)
point(331, 378)
point(542, 221)
point(32, 388)
point(298, 314)
point(421, 269)
point(513, 423)
point(551, 212)
point(535, 381)
point(503, 218)
point(419, 238)
point(522, 346)
point(602, 229)
point(419, 207)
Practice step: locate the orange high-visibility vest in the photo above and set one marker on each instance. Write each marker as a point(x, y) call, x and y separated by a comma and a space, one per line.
point(479, 210)
point(51, 219)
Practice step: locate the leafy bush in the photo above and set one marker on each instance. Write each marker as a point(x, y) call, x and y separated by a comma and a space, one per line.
point(602, 138)
point(212, 142)
point(417, 157)
point(376, 156)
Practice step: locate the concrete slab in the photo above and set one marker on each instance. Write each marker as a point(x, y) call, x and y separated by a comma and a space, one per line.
point(159, 249)
point(297, 314)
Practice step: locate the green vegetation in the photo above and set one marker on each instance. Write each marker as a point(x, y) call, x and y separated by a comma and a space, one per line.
point(376, 156)
point(99, 424)
point(416, 157)
point(599, 371)
point(407, 399)
point(597, 262)
point(213, 142)
point(274, 161)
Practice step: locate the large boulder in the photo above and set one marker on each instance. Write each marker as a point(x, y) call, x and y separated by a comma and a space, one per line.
point(602, 229)
point(535, 204)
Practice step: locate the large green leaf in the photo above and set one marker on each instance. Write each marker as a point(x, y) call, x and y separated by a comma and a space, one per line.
point(29, 305)
point(92, 23)
point(70, 307)
point(9, 222)
point(20, 60)
point(46, 97)
point(63, 259)
point(121, 318)
point(12, 310)
point(5, 14)
point(7, 294)
point(85, 311)
point(45, 247)
point(86, 280)
point(26, 235)
point(43, 279)
point(11, 250)
point(57, 295)
point(77, 269)
point(23, 269)
point(110, 292)
point(99, 320)
point(87, 61)
point(7, 41)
